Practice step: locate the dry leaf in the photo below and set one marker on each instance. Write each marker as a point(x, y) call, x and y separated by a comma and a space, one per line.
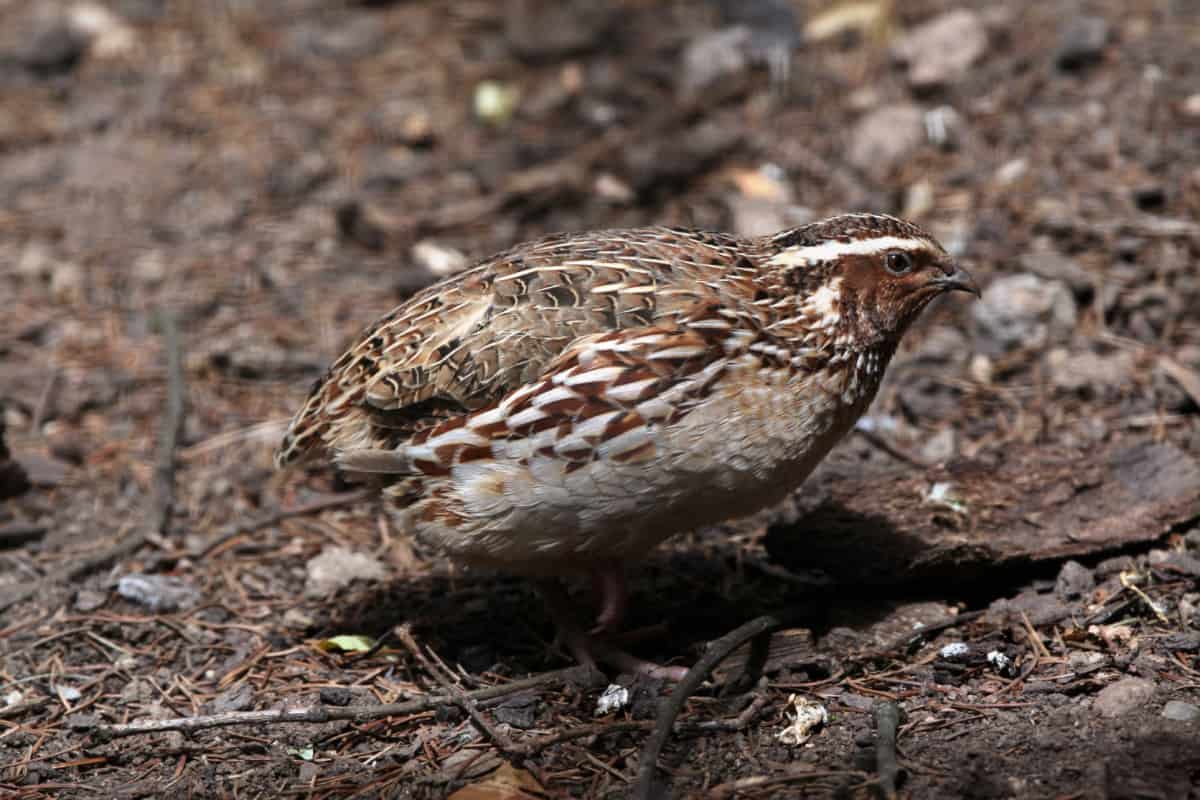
point(506, 783)
point(760, 183)
point(846, 17)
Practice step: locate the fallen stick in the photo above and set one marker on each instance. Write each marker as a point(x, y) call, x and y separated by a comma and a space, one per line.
point(671, 707)
point(887, 722)
point(316, 714)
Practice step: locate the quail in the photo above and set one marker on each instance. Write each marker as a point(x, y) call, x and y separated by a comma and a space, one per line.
point(563, 407)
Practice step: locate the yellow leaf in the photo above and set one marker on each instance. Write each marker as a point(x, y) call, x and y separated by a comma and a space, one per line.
point(844, 17)
point(346, 644)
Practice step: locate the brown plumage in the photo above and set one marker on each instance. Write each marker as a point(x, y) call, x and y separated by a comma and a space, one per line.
point(566, 405)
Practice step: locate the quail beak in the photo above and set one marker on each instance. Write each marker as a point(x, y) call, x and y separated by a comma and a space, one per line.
point(959, 280)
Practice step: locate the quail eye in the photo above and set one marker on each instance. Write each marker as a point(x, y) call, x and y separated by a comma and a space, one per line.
point(898, 262)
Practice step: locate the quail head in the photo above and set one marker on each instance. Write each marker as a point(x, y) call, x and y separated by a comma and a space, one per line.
point(568, 404)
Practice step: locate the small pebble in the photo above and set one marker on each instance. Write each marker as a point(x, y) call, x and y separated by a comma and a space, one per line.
point(1082, 42)
point(941, 51)
point(885, 137)
point(87, 600)
point(954, 650)
point(1023, 310)
point(1074, 580)
point(999, 661)
point(1123, 696)
point(614, 698)
point(1181, 711)
point(159, 593)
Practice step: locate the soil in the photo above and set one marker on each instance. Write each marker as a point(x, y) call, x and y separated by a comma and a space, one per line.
point(202, 202)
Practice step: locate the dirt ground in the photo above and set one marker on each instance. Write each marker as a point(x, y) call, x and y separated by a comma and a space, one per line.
point(991, 590)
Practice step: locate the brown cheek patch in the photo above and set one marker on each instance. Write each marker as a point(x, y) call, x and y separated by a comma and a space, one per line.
point(861, 273)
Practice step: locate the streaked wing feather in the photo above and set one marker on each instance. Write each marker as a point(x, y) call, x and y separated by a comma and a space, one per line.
point(470, 340)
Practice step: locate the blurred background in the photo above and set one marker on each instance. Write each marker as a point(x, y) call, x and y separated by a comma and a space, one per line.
point(279, 173)
point(276, 174)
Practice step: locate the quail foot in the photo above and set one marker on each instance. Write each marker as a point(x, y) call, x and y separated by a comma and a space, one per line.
point(565, 406)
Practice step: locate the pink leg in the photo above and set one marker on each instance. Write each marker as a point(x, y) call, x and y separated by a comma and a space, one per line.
point(608, 583)
point(588, 649)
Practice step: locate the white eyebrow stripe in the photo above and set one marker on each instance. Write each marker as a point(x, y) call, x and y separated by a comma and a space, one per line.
point(827, 251)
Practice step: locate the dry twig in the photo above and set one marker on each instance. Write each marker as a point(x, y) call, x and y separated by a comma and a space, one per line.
point(793, 774)
point(670, 708)
point(887, 722)
point(321, 714)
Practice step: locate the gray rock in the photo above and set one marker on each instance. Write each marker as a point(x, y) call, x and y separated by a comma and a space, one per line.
point(159, 593)
point(940, 447)
point(1181, 711)
point(352, 39)
point(55, 49)
point(138, 690)
point(1042, 609)
point(1022, 311)
point(235, 698)
point(547, 29)
point(1101, 375)
point(942, 344)
point(1186, 642)
point(1074, 580)
point(940, 51)
point(1192, 538)
point(292, 177)
point(761, 216)
point(885, 137)
point(43, 470)
point(1183, 563)
point(774, 32)
point(714, 55)
point(1113, 566)
point(1123, 696)
point(519, 711)
point(1046, 262)
point(337, 567)
point(42, 41)
point(87, 600)
point(1081, 43)
point(86, 722)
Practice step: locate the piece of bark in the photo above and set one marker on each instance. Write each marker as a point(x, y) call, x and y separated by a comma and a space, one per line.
point(1031, 504)
point(788, 648)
